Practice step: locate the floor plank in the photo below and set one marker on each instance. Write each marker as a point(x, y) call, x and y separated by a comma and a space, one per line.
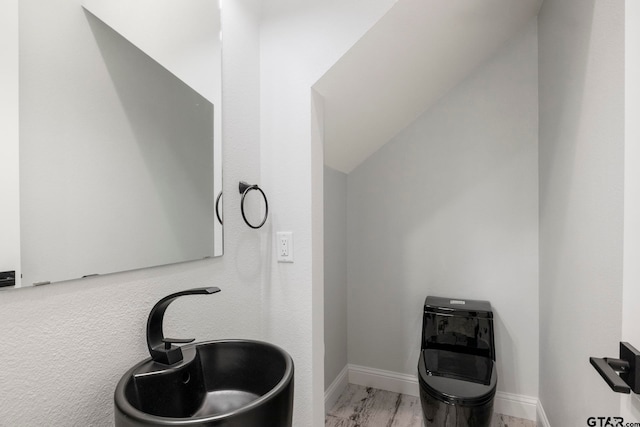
point(348, 400)
point(409, 412)
point(368, 406)
point(331, 421)
point(360, 406)
point(500, 420)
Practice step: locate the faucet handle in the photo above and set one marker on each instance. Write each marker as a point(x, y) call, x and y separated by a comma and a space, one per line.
point(168, 341)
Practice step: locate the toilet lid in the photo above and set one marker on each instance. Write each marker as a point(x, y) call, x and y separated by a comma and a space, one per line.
point(457, 378)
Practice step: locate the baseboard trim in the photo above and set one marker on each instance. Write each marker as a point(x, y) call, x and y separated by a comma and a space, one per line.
point(514, 405)
point(383, 380)
point(542, 419)
point(335, 389)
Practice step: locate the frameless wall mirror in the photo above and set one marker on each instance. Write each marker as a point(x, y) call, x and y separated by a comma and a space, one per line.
point(120, 137)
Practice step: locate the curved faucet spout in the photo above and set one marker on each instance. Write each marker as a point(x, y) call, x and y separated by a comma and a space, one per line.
point(162, 349)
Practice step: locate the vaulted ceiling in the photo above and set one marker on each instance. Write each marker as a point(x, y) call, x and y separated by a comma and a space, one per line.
point(416, 52)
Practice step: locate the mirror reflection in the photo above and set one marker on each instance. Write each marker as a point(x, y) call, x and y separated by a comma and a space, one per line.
point(119, 122)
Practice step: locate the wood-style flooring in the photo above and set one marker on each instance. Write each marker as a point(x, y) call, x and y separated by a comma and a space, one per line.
point(368, 407)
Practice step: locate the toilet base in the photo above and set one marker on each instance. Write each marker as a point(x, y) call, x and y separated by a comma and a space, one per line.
point(440, 414)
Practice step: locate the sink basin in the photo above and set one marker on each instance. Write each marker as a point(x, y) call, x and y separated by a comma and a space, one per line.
point(230, 383)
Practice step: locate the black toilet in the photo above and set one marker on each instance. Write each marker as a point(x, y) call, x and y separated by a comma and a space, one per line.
point(457, 368)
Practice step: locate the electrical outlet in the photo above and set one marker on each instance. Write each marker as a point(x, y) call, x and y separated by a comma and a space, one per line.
point(284, 246)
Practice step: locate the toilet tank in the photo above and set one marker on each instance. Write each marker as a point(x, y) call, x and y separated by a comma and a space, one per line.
point(462, 326)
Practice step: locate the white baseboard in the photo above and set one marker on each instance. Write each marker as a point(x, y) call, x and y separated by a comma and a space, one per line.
point(542, 419)
point(515, 405)
point(384, 380)
point(335, 389)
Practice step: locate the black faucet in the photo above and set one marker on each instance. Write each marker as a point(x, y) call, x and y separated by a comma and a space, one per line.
point(162, 349)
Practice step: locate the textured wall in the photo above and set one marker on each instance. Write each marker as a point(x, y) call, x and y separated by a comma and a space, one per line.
point(299, 41)
point(335, 274)
point(67, 344)
point(581, 71)
point(449, 207)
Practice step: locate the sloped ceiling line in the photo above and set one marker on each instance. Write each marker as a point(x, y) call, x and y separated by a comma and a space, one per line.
point(418, 51)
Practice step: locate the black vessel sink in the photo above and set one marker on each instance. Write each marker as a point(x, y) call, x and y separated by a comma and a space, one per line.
point(231, 383)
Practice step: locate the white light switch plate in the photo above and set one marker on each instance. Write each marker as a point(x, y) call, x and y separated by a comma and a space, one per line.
point(284, 246)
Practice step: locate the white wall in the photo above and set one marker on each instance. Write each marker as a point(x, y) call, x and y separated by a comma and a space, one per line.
point(299, 42)
point(9, 149)
point(335, 274)
point(115, 152)
point(581, 72)
point(449, 207)
point(66, 345)
point(631, 275)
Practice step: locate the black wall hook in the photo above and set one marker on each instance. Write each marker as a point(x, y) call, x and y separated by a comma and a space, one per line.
point(244, 190)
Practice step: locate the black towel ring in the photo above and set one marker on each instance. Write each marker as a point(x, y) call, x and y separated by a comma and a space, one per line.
point(244, 189)
point(217, 207)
